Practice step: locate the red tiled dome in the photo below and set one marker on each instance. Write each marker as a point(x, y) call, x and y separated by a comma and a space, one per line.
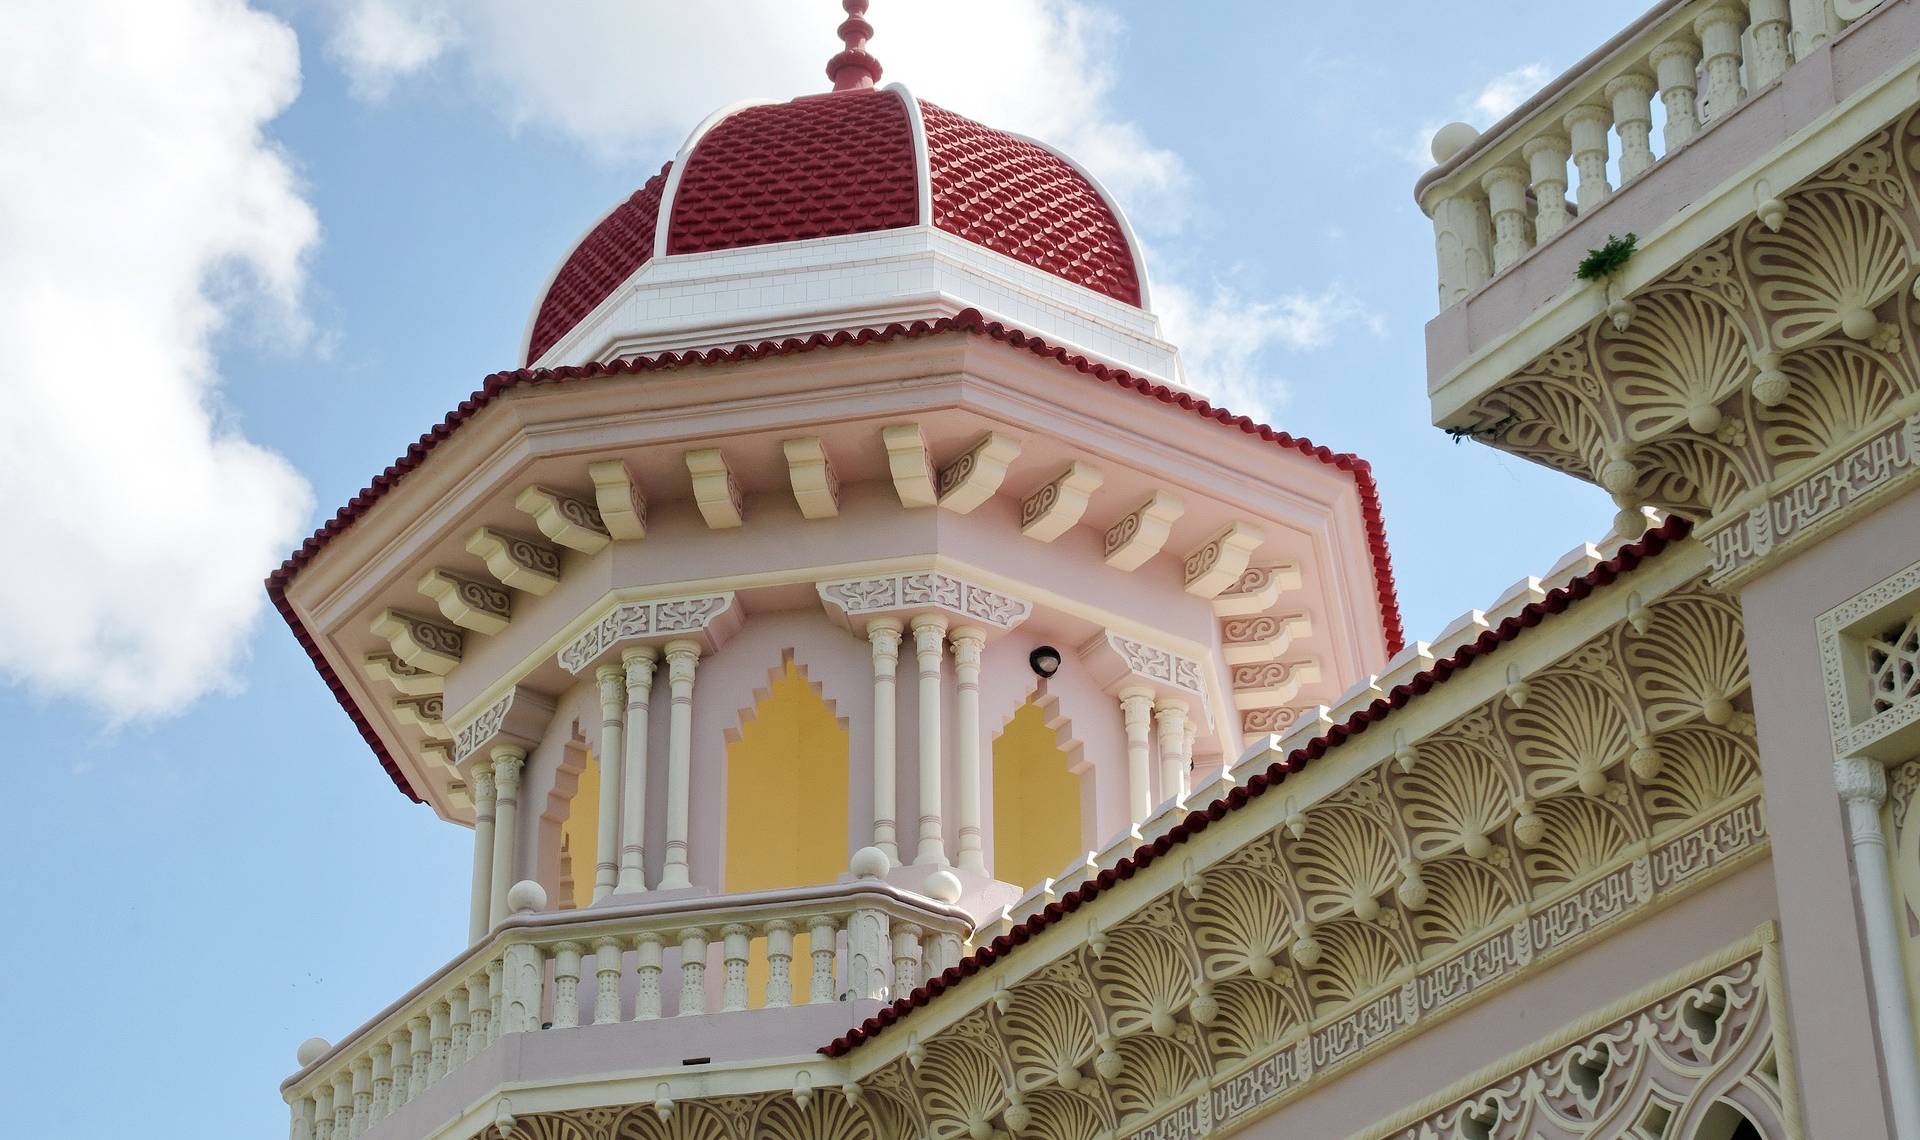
point(846, 163)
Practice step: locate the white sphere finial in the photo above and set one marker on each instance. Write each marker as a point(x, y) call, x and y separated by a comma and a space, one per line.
point(311, 1050)
point(870, 863)
point(526, 897)
point(1451, 140)
point(943, 886)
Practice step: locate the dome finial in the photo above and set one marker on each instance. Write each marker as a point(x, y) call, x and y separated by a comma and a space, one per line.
point(854, 68)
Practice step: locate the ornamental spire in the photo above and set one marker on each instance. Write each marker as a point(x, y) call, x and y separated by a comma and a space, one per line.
point(854, 68)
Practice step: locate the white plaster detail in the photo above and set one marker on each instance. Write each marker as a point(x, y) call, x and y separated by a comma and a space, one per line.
point(923, 590)
point(1054, 509)
point(1221, 560)
point(468, 602)
point(715, 490)
point(810, 471)
point(973, 478)
point(910, 465)
point(1141, 533)
point(1258, 589)
point(573, 523)
point(404, 678)
point(516, 561)
point(617, 494)
point(419, 642)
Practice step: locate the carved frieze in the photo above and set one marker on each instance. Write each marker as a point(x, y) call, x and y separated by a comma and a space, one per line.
point(662, 619)
point(924, 590)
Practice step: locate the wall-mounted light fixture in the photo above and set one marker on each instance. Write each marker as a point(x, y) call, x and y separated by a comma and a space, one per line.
point(1045, 661)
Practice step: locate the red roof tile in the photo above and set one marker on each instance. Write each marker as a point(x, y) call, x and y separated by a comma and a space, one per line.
point(619, 245)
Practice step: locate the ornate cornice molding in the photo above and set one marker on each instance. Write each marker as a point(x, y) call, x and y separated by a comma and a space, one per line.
point(520, 717)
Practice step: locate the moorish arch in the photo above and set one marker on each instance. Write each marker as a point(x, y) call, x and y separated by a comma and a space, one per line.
point(1039, 826)
point(573, 819)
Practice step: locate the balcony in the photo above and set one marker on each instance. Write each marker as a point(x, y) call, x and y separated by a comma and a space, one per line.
point(616, 993)
point(1700, 114)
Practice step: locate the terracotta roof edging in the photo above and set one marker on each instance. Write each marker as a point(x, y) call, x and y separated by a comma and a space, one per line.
point(970, 321)
point(1558, 600)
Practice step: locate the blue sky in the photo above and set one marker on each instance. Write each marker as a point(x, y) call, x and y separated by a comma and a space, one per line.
point(253, 252)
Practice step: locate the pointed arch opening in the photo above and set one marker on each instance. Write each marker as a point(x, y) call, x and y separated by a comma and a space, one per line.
point(1038, 818)
point(786, 797)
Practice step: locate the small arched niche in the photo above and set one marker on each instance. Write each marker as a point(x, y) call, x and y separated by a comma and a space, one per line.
point(786, 787)
point(571, 831)
point(1038, 821)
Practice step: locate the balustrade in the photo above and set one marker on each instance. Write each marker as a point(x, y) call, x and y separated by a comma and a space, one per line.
point(864, 940)
point(1493, 198)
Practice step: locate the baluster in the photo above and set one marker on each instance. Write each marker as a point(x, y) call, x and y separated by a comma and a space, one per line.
point(1676, 63)
point(479, 1015)
point(441, 1024)
point(1632, 98)
point(779, 964)
point(343, 1106)
point(736, 938)
point(1719, 29)
point(606, 973)
point(1814, 23)
point(821, 937)
point(362, 1096)
point(1547, 158)
point(566, 985)
point(1463, 244)
point(906, 959)
point(1770, 52)
point(496, 994)
point(944, 953)
point(1506, 188)
point(422, 1052)
point(523, 972)
point(323, 1112)
point(382, 1081)
point(303, 1119)
point(869, 955)
point(646, 998)
point(458, 1024)
point(693, 972)
point(402, 1069)
point(1587, 126)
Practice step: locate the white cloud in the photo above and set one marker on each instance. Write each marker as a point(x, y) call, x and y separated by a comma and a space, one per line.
point(627, 81)
point(1484, 107)
point(140, 201)
point(378, 42)
point(1224, 336)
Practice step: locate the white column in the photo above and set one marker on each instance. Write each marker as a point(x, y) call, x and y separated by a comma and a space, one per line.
point(612, 704)
point(1136, 707)
point(929, 633)
point(479, 914)
point(507, 759)
point(682, 657)
point(1170, 717)
point(883, 635)
point(1863, 788)
point(967, 645)
point(639, 665)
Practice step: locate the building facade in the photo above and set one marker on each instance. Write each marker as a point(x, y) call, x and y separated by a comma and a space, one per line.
point(888, 703)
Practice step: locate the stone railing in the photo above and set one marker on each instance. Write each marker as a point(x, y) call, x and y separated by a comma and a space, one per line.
point(675, 958)
point(1493, 197)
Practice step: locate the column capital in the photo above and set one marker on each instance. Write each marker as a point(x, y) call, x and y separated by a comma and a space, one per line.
point(612, 680)
point(1860, 780)
point(1137, 695)
point(883, 634)
point(968, 642)
point(682, 650)
point(639, 657)
point(507, 759)
point(923, 624)
point(481, 783)
point(1170, 704)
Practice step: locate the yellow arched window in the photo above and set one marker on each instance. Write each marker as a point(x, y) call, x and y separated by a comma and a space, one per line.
point(787, 790)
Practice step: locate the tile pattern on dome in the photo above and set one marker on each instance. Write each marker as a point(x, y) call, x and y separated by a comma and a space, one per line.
point(816, 167)
point(619, 245)
point(1016, 198)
